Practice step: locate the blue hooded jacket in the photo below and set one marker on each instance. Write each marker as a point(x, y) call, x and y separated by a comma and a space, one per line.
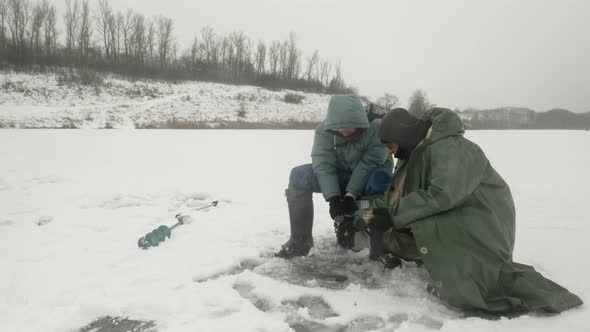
point(359, 155)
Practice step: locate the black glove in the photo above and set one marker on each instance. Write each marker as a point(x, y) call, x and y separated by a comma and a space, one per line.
point(381, 220)
point(343, 227)
point(348, 205)
point(339, 206)
point(335, 207)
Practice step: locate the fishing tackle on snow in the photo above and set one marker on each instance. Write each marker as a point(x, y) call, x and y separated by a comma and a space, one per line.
point(163, 232)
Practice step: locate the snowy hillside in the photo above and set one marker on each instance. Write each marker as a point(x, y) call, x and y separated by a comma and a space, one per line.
point(46, 101)
point(73, 204)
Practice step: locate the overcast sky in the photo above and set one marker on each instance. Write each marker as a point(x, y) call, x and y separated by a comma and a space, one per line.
point(530, 53)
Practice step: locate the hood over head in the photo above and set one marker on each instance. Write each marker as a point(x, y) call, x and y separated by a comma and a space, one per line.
point(345, 111)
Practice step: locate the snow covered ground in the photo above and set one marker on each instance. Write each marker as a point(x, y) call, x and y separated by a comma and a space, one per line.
point(45, 101)
point(74, 203)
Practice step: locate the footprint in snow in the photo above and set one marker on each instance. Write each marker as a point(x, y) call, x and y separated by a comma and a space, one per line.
point(5, 222)
point(246, 291)
point(318, 308)
point(192, 200)
point(245, 264)
point(44, 220)
point(126, 201)
point(119, 324)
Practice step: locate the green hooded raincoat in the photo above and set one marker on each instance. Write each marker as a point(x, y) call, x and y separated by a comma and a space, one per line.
point(462, 216)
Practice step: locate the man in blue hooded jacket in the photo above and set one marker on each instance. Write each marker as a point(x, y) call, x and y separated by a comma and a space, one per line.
point(348, 161)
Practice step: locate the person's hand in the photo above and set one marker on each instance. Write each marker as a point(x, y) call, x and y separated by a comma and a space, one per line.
point(380, 220)
point(344, 229)
point(339, 205)
point(335, 207)
point(348, 205)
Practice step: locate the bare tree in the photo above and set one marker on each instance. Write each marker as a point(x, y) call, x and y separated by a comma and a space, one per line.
point(50, 31)
point(222, 51)
point(173, 54)
point(24, 23)
point(215, 45)
point(103, 18)
point(139, 39)
point(284, 60)
point(296, 61)
point(247, 62)
point(126, 29)
point(419, 105)
point(150, 41)
point(293, 57)
point(260, 57)
point(85, 31)
point(18, 22)
point(273, 57)
point(326, 72)
point(13, 21)
point(311, 67)
point(3, 20)
point(208, 45)
point(231, 56)
point(116, 26)
point(39, 13)
point(388, 101)
point(240, 43)
point(194, 55)
point(165, 26)
point(71, 19)
point(228, 55)
point(337, 83)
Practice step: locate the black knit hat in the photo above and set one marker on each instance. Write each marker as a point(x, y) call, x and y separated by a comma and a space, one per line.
point(399, 126)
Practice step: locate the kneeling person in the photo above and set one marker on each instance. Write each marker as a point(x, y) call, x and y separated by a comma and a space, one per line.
point(461, 218)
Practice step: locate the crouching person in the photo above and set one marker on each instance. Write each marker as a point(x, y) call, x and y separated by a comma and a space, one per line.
point(457, 215)
point(348, 161)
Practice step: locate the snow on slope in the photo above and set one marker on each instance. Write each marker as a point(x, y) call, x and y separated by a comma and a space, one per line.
point(41, 101)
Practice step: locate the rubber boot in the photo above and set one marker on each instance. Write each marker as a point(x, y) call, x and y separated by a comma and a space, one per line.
point(301, 218)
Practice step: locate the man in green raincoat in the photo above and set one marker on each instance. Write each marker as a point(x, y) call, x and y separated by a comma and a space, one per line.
point(449, 208)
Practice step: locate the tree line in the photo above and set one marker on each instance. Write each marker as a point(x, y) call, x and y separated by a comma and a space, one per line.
point(524, 118)
point(496, 118)
point(130, 43)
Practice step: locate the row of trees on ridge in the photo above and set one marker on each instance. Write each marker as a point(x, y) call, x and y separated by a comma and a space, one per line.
point(130, 43)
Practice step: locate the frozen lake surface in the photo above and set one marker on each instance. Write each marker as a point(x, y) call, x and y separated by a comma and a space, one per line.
point(74, 202)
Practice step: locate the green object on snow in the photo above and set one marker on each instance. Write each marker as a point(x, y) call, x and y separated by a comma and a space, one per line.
point(163, 232)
